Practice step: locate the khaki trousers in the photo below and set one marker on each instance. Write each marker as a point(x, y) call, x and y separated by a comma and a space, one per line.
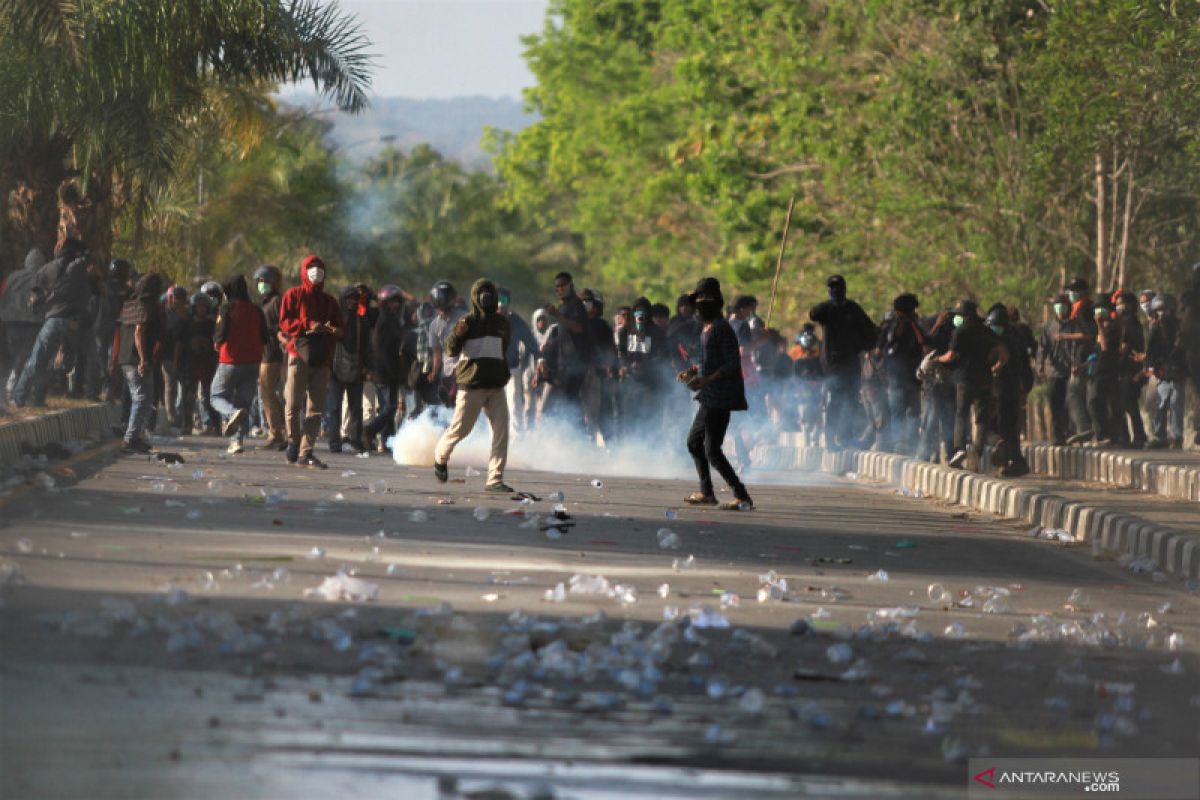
point(304, 395)
point(492, 402)
point(268, 398)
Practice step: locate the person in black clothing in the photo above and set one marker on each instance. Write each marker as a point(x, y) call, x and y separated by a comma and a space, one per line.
point(1168, 363)
point(848, 331)
point(901, 344)
point(976, 354)
point(346, 378)
point(390, 367)
point(1054, 364)
point(202, 354)
point(1103, 366)
point(115, 292)
point(1012, 384)
point(643, 368)
point(597, 384)
point(568, 353)
point(1131, 340)
point(717, 381)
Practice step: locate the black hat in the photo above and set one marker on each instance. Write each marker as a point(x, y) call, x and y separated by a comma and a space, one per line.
point(967, 308)
point(906, 302)
point(1078, 285)
point(835, 280)
point(744, 301)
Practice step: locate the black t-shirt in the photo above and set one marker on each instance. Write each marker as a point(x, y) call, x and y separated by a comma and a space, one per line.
point(152, 318)
point(577, 357)
point(973, 344)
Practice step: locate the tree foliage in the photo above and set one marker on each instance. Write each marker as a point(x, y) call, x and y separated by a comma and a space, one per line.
point(945, 146)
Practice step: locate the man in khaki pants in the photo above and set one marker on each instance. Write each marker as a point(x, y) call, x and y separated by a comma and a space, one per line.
point(268, 279)
point(311, 320)
point(479, 341)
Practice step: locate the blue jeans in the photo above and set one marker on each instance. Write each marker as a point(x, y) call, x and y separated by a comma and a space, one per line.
point(18, 339)
point(1168, 413)
point(140, 397)
point(54, 333)
point(233, 389)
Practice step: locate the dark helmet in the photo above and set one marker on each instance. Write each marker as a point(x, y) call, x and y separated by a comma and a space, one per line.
point(201, 297)
point(906, 302)
point(388, 291)
point(213, 290)
point(997, 316)
point(443, 296)
point(268, 273)
point(177, 293)
point(120, 269)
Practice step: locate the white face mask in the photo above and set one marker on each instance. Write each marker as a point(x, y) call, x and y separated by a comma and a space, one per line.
point(316, 275)
point(1146, 309)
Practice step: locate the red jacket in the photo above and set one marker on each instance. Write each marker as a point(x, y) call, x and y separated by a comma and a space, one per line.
point(304, 304)
point(241, 333)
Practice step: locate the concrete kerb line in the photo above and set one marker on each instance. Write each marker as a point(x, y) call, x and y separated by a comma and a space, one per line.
point(56, 426)
point(1121, 469)
point(1173, 551)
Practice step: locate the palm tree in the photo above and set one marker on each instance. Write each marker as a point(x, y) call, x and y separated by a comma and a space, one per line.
point(100, 98)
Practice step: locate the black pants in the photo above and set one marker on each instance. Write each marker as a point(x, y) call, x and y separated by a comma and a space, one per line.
point(704, 443)
point(1060, 417)
point(966, 398)
point(353, 394)
point(1103, 404)
point(391, 402)
point(1008, 422)
point(1131, 405)
point(843, 411)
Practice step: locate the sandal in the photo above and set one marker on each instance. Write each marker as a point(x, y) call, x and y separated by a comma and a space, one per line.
point(737, 505)
point(700, 499)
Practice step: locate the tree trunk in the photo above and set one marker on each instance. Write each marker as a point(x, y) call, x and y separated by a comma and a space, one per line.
point(88, 214)
point(31, 202)
point(1126, 222)
point(1101, 254)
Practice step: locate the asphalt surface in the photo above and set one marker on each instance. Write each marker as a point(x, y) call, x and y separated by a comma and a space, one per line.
point(161, 637)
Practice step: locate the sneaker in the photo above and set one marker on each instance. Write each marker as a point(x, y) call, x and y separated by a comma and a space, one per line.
point(293, 452)
point(311, 462)
point(136, 447)
point(441, 472)
point(235, 448)
point(958, 459)
point(498, 488)
point(1082, 436)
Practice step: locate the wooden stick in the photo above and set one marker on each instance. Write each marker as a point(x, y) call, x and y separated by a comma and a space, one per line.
point(787, 224)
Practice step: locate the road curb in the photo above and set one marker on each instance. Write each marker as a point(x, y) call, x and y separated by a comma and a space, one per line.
point(1174, 551)
point(57, 426)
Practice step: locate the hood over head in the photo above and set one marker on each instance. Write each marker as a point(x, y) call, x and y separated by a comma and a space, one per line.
point(34, 260)
point(478, 289)
point(236, 289)
point(311, 261)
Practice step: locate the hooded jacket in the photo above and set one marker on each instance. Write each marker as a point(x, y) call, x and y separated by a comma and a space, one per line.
point(480, 341)
point(305, 304)
point(14, 302)
point(241, 329)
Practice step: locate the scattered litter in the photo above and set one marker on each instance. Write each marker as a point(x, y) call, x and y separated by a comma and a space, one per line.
point(491, 597)
point(316, 554)
point(418, 516)
point(597, 483)
point(471, 472)
point(481, 514)
point(905, 544)
point(556, 497)
point(378, 487)
point(349, 473)
point(706, 617)
point(664, 591)
point(839, 653)
point(556, 595)
point(24, 545)
point(668, 539)
point(937, 593)
point(878, 577)
point(688, 563)
point(344, 587)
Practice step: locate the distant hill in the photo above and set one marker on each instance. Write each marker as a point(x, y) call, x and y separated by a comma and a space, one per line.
point(454, 127)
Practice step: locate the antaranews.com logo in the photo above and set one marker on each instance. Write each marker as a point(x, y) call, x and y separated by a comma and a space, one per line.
point(1086, 780)
point(1127, 778)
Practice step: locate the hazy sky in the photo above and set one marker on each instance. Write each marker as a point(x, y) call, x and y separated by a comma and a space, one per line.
point(448, 48)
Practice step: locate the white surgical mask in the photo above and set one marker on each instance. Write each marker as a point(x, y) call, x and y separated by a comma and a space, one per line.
point(316, 275)
point(1146, 309)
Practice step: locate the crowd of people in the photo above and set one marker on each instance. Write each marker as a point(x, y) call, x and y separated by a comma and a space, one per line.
point(295, 366)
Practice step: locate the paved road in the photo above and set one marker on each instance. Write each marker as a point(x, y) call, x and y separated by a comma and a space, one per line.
point(162, 639)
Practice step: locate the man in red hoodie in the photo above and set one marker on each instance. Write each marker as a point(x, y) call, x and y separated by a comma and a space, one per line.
point(241, 333)
point(311, 322)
